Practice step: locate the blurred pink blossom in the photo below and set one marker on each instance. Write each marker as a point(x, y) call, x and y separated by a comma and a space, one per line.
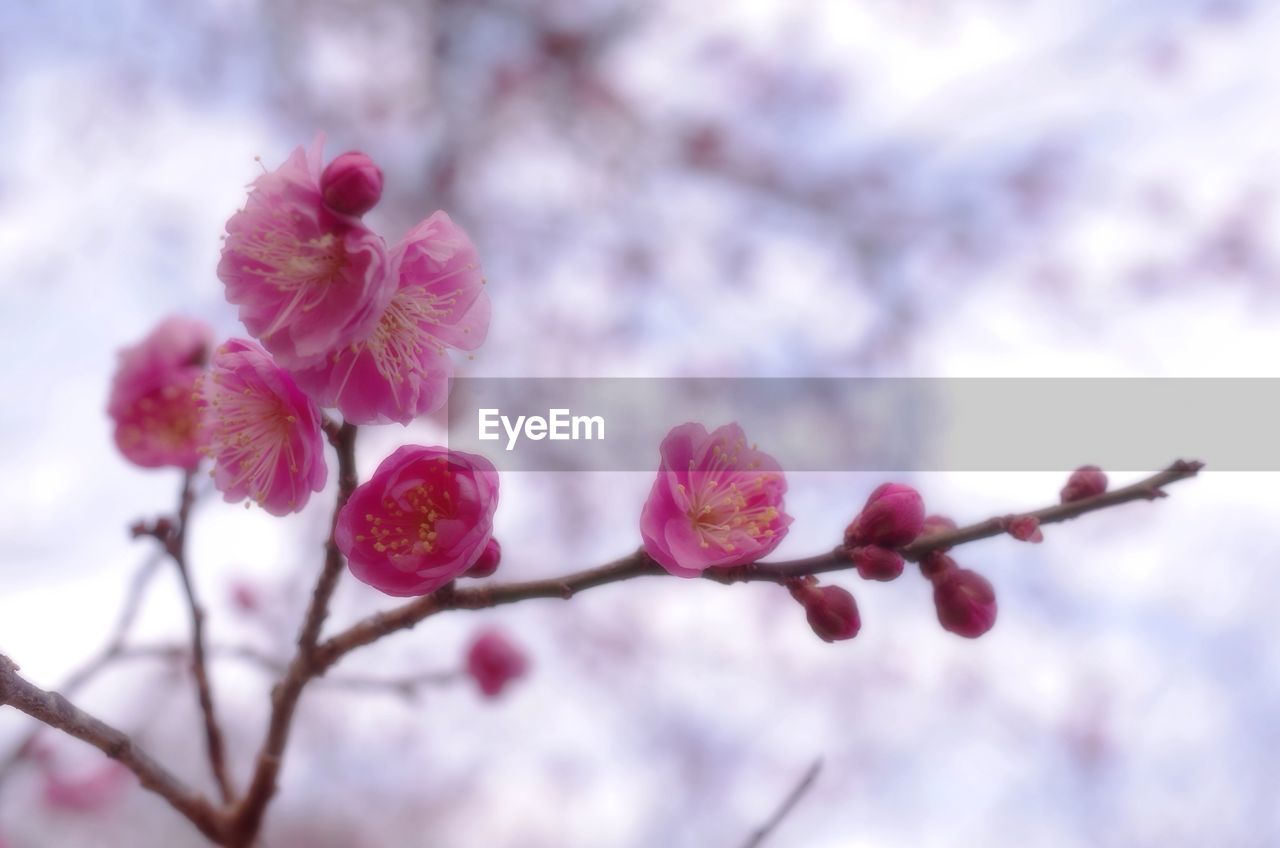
point(263, 433)
point(87, 793)
point(493, 661)
point(401, 369)
point(308, 280)
point(422, 519)
point(151, 402)
point(717, 502)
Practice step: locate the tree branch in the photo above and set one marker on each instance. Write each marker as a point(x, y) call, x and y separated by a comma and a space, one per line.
point(246, 817)
point(788, 804)
point(59, 713)
point(638, 564)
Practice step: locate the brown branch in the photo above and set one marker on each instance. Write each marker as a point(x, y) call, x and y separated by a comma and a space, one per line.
point(638, 564)
point(173, 535)
point(110, 652)
point(788, 804)
point(59, 713)
point(246, 817)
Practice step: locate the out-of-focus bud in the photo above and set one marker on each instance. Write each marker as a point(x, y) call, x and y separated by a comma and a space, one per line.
point(1084, 482)
point(493, 662)
point(892, 517)
point(488, 562)
point(88, 793)
point(831, 611)
point(934, 524)
point(965, 601)
point(1025, 528)
point(876, 563)
point(244, 597)
point(935, 564)
point(351, 184)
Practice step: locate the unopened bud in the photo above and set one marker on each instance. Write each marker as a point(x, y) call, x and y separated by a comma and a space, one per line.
point(488, 562)
point(876, 563)
point(831, 611)
point(965, 601)
point(1084, 482)
point(1024, 528)
point(493, 662)
point(351, 184)
point(892, 517)
point(935, 564)
point(935, 524)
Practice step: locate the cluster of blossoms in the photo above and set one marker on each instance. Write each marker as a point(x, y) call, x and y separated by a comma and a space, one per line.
point(340, 320)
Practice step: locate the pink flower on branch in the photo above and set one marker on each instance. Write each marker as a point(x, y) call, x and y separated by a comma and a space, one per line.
point(717, 502)
point(263, 433)
point(493, 661)
point(308, 279)
point(151, 403)
point(401, 369)
point(422, 519)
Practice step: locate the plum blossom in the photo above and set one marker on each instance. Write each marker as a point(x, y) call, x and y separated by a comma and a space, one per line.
point(151, 403)
point(307, 278)
point(493, 661)
point(424, 518)
point(717, 502)
point(401, 369)
point(86, 793)
point(263, 433)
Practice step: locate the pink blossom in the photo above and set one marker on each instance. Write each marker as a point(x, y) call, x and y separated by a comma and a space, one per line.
point(717, 502)
point(351, 184)
point(893, 516)
point(832, 612)
point(1085, 482)
point(421, 520)
point(263, 433)
point(151, 403)
point(87, 793)
point(493, 661)
point(965, 602)
point(401, 369)
point(308, 279)
point(876, 563)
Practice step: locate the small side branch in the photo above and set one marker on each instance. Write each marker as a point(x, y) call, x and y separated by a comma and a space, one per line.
point(788, 804)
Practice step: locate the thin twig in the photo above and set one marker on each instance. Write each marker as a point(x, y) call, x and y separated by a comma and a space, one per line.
point(788, 804)
point(59, 713)
point(638, 564)
point(100, 661)
point(246, 817)
point(175, 544)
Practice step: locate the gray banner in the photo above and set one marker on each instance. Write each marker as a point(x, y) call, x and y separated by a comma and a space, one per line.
point(876, 424)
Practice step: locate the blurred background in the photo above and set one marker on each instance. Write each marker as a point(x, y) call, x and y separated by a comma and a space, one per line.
point(940, 188)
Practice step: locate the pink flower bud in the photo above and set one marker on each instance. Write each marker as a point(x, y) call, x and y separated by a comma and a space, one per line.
point(87, 793)
point(1025, 528)
point(493, 662)
point(892, 517)
point(351, 184)
point(876, 563)
point(965, 601)
point(1084, 482)
point(831, 611)
point(935, 564)
point(488, 562)
point(934, 524)
point(244, 597)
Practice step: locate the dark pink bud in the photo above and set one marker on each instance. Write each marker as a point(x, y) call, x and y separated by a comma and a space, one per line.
point(493, 662)
point(1084, 482)
point(244, 597)
point(831, 611)
point(1025, 528)
point(876, 563)
point(935, 564)
point(351, 184)
point(488, 562)
point(893, 516)
point(965, 601)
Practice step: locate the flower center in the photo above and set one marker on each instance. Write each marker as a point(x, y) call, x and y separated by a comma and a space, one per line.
point(251, 435)
point(407, 526)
